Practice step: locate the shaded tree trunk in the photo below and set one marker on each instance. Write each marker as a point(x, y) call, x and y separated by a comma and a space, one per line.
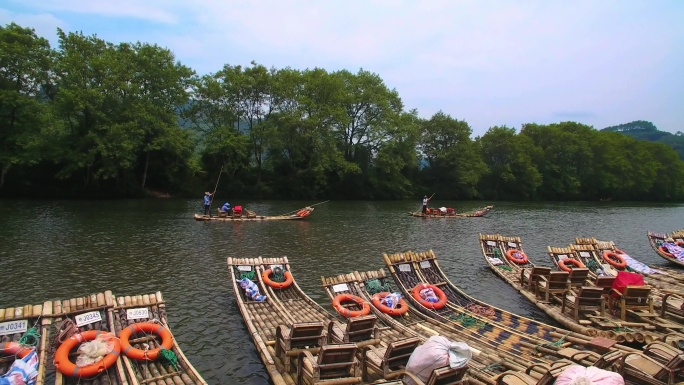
point(144, 176)
point(2, 176)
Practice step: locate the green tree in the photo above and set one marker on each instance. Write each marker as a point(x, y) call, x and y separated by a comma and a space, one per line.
point(25, 61)
point(512, 173)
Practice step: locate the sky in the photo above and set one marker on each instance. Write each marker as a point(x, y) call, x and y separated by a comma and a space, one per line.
point(490, 63)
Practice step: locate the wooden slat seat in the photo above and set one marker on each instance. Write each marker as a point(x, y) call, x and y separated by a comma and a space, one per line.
point(549, 374)
point(442, 376)
point(391, 361)
point(335, 364)
point(642, 369)
point(578, 277)
point(591, 358)
point(290, 341)
point(360, 330)
point(633, 298)
point(529, 280)
point(555, 283)
point(587, 299)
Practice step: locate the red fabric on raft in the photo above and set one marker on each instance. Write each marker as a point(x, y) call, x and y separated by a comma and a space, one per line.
point(625, 279)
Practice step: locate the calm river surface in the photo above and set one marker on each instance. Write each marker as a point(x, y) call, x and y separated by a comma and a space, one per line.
point(65, 249)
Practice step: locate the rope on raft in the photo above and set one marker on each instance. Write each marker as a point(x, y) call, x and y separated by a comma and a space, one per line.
point(169, 358)
point(373, 286)
point(278, 274)
point(30, 338)
point(556, 344)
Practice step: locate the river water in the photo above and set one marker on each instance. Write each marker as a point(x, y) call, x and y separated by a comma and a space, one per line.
point(64, 249)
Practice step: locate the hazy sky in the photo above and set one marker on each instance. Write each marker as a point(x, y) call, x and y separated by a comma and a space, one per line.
point(489, 63)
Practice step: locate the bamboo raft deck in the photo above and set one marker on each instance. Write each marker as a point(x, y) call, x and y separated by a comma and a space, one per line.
point(287, 306)
point(606, 326)
point(15, 322)
point(485, 366)
point(64, 318)
point(655, 239)
point(150, 308)
point(514, 341)
point(252, 216)
point(437, 214)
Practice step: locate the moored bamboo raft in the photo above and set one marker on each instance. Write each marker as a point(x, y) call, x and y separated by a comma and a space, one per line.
point(606, 326)
point(66, 316)
point(23, 329)
point(151, 309)
point(657, 239)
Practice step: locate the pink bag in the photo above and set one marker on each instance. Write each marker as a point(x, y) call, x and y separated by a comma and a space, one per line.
point(579, 375)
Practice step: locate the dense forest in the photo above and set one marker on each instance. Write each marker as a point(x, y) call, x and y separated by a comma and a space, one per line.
point(95, 119)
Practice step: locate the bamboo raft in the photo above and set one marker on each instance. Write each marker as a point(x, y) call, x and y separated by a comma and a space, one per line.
point(18, 325)
point(434, 213)
point(105, 315)
point(489, 361)
point(252, 216)
point(150, 308)
point(590, 324)
point(656, 239)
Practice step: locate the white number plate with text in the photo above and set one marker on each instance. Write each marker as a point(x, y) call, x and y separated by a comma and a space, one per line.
point(12, 327)
point(88, 318)
point(137, 313)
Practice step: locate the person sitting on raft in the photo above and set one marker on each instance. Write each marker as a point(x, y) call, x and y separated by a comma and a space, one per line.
point(226, 209)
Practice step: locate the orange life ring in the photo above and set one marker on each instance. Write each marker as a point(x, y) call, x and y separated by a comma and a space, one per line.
point(276, 285)
point(523, 257)
point(562, 264)
point(149, 327)
point(69, 368)
point(614, 259)
point(13, 348)
point(667, 253)
point(343, 311)
point(430, 305)
point(401, 309)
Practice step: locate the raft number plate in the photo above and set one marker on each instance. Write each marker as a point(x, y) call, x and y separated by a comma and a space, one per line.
point(584, 254)
point(88, 318)
point(405, 267)
point(137, 313)
point(424, 264)
point(491, 243)
point(12, 327)
point(245, 268)
point(340, 287)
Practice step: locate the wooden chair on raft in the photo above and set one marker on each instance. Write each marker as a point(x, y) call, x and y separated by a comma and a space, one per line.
point(662, 352)
point(306, 336)
point(335, 364)
point(642, 369)
point(606, 283)
point(391, 362)
point(633, 298)
point(548, 374)
point(587, 299)
point(578, 277)
point(674, 306)
point(360, 330)
point(442, 376)
point(591, 358)
point(555, 283)
point(529, 281)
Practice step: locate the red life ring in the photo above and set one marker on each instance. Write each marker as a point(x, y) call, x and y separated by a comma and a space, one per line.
point(511, 255)
point(276, 285)
point(614, 259)
point(14, 349)
point(343, 311)
point(401, 309)
point(430, 305)
point(562, 264)
point(149, 327)
point(69, 368)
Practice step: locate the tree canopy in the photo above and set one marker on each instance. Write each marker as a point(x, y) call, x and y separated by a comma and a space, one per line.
point(93, 118)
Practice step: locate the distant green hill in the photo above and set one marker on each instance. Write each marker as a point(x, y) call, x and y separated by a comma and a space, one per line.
point(643, 130)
